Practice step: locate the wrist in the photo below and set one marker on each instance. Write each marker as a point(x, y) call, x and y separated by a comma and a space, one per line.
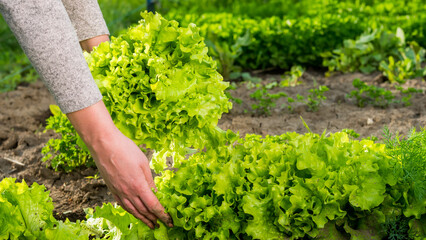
point(94, 125)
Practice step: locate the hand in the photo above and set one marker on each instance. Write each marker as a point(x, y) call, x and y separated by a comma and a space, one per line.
point(126, 172)
point(121, 163)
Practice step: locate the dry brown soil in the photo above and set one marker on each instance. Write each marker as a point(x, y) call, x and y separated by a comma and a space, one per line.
point(23, 113)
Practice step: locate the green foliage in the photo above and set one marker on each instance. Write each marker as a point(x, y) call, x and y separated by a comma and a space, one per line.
point(15, 68)
point(290, 186)
point(252, 8)
point(14, 65)
point(407, 94)
point(249, 80)
point(120, 15)
point(115, 223)
point(408, 65)
point(408, 15)
point(290, 101)
point(379, 50)
point(308, 29)
point(351, 132)
point(398, 71)
point(370, 94)
point(366, 52)
point(274, 42)
point(396, 228)
point(315, 97)
point(232, 86)
point(266, 100)
point(379, 97)
point(160, 87)
point(410, 155)
point(64, 153)
point(27, 213)
point(227, 55)
point(313, 100)
point(372, 138)
point(291, 78)
point(409, 159)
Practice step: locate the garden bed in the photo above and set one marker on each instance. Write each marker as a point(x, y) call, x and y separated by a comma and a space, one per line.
point(23, 113)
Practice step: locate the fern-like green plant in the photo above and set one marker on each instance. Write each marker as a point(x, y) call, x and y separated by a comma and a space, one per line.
point(409, 154)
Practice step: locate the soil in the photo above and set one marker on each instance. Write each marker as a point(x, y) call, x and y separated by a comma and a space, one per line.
point(23, 113)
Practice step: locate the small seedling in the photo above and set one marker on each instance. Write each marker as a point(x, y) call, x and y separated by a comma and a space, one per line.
point(291, 78)
point(313, 100)
point(232, 86)
point(407, 94)
point(378, 97)
point(315, 97)
point(266, 100)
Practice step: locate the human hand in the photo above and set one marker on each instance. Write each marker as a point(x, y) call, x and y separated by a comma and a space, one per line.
point(121, 163)
point(126, 172)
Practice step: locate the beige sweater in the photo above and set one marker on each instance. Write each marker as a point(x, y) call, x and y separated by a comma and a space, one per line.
point(49, 32)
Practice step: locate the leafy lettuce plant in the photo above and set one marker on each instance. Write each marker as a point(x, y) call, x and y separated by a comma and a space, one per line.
point(27, 213)
point(160, 86)
point(289, 186)
point(282, 187)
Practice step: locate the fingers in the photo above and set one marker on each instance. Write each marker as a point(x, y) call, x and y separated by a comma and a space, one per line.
point(140, 207)
point(148, 176)
point(141, 211)
point(151, 202)
point(128, 206)
point(117, 198)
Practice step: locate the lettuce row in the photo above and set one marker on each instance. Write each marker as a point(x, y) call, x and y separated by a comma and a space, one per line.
point(290, 186)
point(284, 187)
point(281, 42)
point(160, 87)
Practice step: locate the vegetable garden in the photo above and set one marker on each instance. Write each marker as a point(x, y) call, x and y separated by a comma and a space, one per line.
point(264, 120)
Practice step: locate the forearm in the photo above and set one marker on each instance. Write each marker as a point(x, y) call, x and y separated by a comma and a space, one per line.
point(94, 125)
